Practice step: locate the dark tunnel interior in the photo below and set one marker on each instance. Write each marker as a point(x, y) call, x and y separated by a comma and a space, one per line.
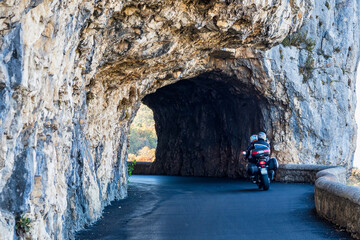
point(203, 124)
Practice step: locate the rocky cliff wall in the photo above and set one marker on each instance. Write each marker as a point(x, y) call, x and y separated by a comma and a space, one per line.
point(72, 74)
point(305, 88)
point(316, 68)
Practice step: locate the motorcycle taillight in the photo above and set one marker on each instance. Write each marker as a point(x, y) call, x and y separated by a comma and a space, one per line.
point(261, 152)
point(262, 162)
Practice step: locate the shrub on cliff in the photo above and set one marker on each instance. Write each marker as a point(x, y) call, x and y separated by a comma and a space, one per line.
point(354, 179)
point(142, 131)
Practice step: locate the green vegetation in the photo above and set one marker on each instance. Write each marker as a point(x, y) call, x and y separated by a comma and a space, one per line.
point(310, 44)
point(127, 115)
point(321, 52)
point(143, 139)
point(354, 179)
point(286, 42)
point(307, 69)
point(281, 54)
point(327, 5)
point(299, 39)
point(22, 225)
point(131, 166)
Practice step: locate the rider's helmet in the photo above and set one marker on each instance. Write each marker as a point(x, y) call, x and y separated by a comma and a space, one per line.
point(262, 136)
point(253, 138)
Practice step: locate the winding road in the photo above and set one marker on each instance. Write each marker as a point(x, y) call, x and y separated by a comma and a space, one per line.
point(179, 208)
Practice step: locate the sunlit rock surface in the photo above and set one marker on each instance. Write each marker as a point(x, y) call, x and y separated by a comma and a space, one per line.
point(72, 74)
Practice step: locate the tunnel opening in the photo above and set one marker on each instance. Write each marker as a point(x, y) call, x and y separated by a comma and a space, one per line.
point(204, 123)
point(142, 137)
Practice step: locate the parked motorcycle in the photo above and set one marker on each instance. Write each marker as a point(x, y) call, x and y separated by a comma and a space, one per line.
point(262, 167)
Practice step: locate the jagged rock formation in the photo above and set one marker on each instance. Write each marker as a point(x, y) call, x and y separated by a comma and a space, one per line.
point(307, 91)
point(72, 74)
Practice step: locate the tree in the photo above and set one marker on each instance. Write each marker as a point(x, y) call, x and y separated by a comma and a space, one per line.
point(142, 138)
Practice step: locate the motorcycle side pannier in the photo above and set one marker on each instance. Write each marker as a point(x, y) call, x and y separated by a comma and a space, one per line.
point(273, 164)
point(252, 169)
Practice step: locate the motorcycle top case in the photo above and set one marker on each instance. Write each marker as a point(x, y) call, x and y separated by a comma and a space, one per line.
point(260, 151)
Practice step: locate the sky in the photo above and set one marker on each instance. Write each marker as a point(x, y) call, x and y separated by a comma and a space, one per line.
point(357, 117)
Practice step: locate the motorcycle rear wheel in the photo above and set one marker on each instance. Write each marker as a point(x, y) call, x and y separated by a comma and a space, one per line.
point(265, 182)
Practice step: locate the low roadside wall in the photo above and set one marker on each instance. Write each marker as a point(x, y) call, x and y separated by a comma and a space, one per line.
point(286, 172)
point(142, 168)
point(336, 201)
point(298, 173)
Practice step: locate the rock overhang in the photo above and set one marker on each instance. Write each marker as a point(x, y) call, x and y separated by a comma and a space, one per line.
point(155, 38)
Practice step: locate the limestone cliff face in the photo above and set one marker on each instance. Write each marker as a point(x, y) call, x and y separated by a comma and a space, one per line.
point(72, 74)
point(305, 88)
point(316, 69)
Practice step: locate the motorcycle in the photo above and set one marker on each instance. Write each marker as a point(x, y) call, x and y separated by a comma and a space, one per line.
point(259, 170)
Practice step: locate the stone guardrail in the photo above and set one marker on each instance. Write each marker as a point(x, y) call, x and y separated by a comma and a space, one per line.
point(334, 200)
point(285, 173)
point(142, 168)
point(298, 173)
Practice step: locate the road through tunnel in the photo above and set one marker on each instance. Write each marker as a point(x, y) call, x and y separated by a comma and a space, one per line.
point(204, 123)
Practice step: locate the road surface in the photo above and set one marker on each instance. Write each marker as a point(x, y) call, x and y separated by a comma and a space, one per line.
point(181, 208)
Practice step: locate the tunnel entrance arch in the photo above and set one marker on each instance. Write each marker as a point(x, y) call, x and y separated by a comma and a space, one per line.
point(204, 123)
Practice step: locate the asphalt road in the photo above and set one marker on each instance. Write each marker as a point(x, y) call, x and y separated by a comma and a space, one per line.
point(179, 208)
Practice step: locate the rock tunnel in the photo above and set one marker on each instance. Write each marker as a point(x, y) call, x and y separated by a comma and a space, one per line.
point(204, 123)
point(72, 74)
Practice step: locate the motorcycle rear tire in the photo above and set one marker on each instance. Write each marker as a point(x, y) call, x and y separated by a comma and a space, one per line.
point(265, 182)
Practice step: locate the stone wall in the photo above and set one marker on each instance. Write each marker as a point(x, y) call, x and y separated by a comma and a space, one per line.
point(301, 173)
point(336, 201)
point(290, 173)
point(142, 168)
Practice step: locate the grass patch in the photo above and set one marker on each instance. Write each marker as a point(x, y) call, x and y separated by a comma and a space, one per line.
point(299, 40)
point(308, 68)
point(321, 52)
